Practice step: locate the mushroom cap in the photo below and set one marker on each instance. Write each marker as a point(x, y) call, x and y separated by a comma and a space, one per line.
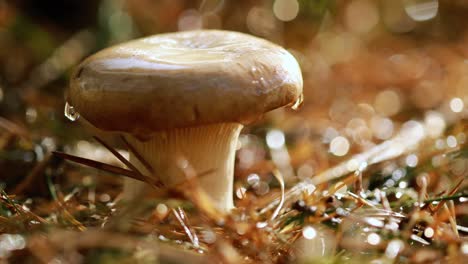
point(184, 79)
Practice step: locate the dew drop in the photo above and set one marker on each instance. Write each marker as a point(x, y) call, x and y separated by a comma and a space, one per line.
point(298, 102)
point(70, 112)
point(241, 193)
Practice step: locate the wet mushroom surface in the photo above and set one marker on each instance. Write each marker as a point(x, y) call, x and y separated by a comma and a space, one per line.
point(181, 99)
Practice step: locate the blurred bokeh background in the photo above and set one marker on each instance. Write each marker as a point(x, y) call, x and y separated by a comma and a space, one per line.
point(369, 67)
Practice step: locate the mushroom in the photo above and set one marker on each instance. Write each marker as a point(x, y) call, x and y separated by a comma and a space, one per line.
point(186, 96)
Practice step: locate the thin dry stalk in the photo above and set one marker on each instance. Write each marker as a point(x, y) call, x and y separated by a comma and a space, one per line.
point(182, 218)
point(119, 156)
point(104, 167)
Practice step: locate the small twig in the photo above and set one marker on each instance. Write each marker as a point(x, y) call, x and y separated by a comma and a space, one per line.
point(4, 196)
point(105, 167)
point(453, 222)
point(446, 198)
point(280, 179)
point(358, 182)
point(19, 209)
point(118, 156)
point(451, 193)
point(361, 200)
point(52, 190)
point(60, 203)
point(143, 161)
point(291, 195)
point(140, 158)
point(180, 215)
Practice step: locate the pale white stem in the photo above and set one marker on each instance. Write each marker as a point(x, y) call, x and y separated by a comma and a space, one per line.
point(205, 148)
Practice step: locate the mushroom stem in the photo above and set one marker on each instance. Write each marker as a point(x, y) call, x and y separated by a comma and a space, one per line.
point(209, 148)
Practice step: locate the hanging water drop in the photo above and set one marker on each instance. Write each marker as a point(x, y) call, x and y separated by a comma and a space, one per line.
point(298, 102)
point(70, 112)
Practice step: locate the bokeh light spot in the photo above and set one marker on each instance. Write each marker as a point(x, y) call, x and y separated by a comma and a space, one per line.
point(411, 160)
point(456, 105)
point(309, 232)
point(387, 103)
point(286, 10)
point(393, 248)
point(373, 239)
point(361, 16)
point(339, 146)
point(275, 139)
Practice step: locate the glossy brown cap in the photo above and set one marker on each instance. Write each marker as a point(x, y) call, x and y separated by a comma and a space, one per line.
point(184, 79)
